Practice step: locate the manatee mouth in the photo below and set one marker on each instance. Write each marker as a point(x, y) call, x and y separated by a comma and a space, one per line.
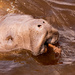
point(44, 46)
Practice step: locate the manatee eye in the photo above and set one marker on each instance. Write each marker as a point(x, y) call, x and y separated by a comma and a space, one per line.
point(43, 22)
point(39, 25)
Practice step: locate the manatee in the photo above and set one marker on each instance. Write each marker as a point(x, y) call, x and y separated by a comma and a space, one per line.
point(25, 32)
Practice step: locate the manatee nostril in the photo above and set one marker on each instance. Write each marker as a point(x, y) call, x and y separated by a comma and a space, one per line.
point(39, 25)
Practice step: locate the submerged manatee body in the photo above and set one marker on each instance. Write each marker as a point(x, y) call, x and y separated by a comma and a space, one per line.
point(25, 32)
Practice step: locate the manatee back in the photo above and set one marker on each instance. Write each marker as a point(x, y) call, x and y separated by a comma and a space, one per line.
point(10, 24)
point(14, 18)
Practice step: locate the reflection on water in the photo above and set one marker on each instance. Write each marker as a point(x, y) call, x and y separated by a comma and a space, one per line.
point(61, 15)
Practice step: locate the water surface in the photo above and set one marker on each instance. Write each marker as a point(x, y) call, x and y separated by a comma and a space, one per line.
point(61, 15)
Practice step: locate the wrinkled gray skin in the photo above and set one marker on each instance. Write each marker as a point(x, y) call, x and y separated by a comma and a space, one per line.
point(25, 32)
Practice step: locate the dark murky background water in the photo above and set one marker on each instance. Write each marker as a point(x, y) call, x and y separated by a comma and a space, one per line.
point(61, 15)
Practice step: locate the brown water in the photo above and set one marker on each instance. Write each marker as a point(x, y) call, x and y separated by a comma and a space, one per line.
point(61, 15)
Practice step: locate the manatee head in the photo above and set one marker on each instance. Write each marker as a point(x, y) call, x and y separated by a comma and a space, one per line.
point(41, 33)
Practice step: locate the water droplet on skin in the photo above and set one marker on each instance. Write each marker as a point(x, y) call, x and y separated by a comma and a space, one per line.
point(8, 9)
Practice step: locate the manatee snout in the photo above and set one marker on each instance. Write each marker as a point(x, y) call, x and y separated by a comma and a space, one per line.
point(54, 36)
point(42, 34)
point(52, 39)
